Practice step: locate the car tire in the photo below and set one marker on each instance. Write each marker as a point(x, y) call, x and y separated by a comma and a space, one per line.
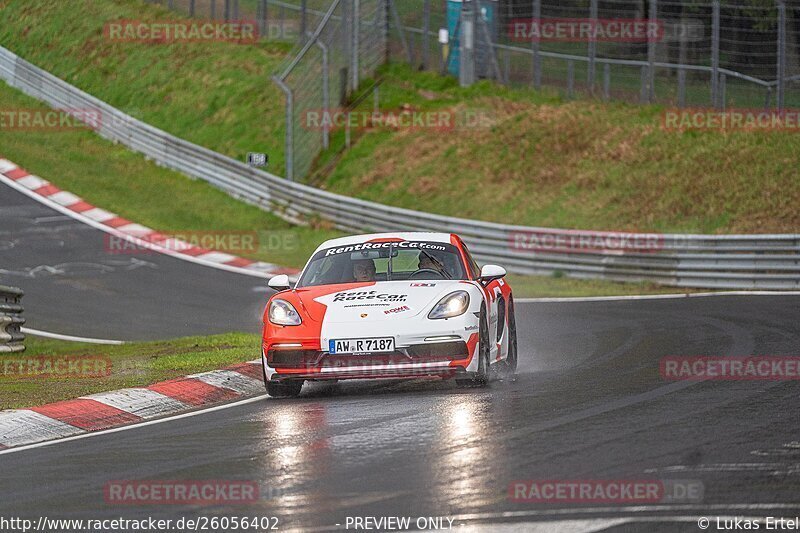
point(480, 378)
point(284, 389)
point(510, 364)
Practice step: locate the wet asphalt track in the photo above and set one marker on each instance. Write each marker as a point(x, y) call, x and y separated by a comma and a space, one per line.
point(589, 404)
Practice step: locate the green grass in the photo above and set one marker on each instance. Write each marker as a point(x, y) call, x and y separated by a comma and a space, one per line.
point(132, 365)
point(545, 161)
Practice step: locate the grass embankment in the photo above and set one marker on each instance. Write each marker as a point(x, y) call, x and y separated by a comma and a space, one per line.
point(131, 365)
point(541, 161)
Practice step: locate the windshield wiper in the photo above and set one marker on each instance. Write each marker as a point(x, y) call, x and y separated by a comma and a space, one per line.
point(439, 264)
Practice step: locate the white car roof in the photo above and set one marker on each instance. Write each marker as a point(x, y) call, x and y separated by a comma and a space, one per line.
point(406, 236)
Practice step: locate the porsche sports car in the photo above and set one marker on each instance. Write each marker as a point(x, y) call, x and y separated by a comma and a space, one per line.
point(390, 305)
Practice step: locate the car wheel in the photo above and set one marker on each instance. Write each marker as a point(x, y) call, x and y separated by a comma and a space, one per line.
point(284, 389)
point(481, 377)
point(510, 366)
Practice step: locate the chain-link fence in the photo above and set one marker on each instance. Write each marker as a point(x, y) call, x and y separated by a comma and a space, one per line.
point(347, 46)
point(744, 53)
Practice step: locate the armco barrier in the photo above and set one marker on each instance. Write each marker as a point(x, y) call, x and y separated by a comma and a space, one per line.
point(715, 261)
point(11, 338)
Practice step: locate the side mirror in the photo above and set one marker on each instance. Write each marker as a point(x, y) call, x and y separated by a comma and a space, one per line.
point(490, 273)
point(279, 283)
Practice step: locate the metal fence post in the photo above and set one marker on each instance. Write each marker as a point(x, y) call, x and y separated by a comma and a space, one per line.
point(651, 54)
point(213, 13)
point(401, 30)
point(781, 79)
point(235, 9)
point(722, 91)
point(227, 10)
point(607, 82)
point(191, 7)
point(466, 44)
point(356, 13)
point(570, 78)
point(681, 87)
point(715, 53)
point(326, 95)
point(592, 47)
point(537, 58)
point(644, 92)
point(303, 18)
point(289, 148)
point(263, 20)
point(426, 28)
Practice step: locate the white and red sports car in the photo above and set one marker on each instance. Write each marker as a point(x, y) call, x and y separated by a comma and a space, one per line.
point(390, 305)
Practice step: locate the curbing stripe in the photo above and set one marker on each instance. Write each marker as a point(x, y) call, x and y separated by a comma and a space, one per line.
point(193, 392)
point(33, 182)
point(86, 414)
point(143, 403)
point(16, 173)
point(110, 410)
point(23, 426)
point(100, 215)
point(64, 198)
point(6, 166)
point(250, 369)
point(230, 379)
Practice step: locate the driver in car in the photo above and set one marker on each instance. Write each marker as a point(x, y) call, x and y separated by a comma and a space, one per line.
point(429, 262)
point(364, 270)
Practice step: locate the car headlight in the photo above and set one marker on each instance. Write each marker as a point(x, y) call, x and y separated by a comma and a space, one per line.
point(283, 313)
point(454, 304)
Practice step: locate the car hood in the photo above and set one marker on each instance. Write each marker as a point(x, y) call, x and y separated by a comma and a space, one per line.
point(374, 302)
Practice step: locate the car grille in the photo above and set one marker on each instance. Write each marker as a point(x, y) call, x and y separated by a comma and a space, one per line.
point(418, 353)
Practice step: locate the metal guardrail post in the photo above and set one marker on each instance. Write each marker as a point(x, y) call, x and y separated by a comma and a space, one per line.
point(715, 23)
point(781, 75)
point(11, 337)
point(289, 155)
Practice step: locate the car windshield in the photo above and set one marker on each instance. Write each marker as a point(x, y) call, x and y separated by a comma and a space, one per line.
point(384, 261)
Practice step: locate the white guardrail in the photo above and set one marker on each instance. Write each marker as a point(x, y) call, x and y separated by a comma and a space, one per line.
point(713, 261)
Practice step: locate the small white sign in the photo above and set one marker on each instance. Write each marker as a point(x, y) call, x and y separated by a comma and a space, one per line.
point(255, 159)
point(444, 36)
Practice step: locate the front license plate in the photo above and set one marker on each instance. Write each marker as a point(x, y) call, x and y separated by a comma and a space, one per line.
point(370, 345)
